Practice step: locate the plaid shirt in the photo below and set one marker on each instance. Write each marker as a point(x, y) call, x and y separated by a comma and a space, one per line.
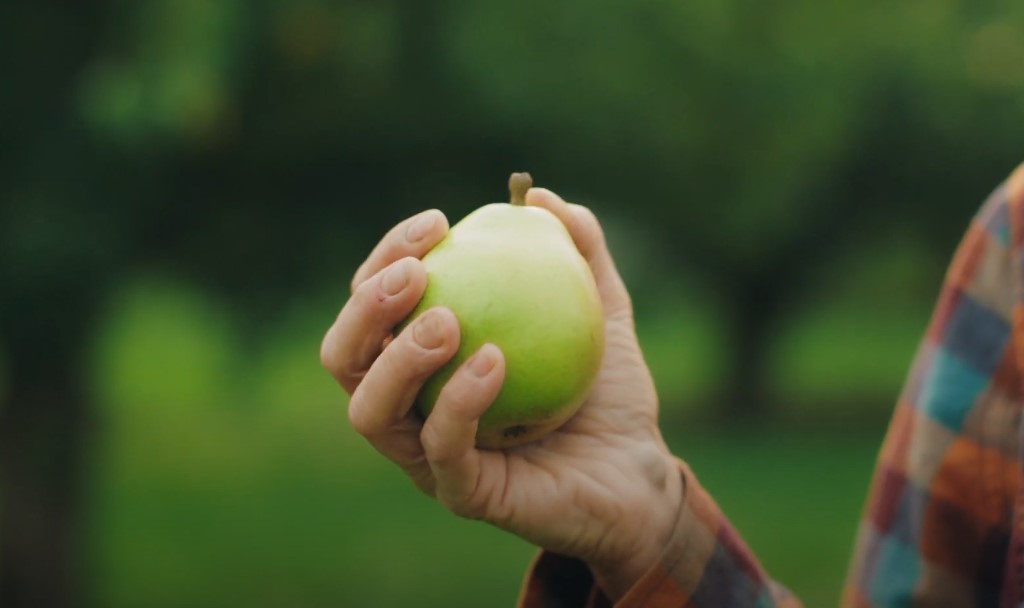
point(944, 521)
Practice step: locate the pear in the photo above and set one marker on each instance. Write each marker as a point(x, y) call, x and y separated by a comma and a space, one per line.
point(514, 278)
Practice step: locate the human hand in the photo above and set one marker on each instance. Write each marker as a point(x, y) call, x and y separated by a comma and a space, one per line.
point(603, 488)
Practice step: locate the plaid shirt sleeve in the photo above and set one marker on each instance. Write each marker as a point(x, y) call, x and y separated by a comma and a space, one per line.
point(939, 514)
point(706, 565)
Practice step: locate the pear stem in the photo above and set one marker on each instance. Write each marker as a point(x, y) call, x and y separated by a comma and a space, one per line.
point(518, 185)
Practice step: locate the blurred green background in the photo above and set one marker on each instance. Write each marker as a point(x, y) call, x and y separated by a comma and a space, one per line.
point(186, 187)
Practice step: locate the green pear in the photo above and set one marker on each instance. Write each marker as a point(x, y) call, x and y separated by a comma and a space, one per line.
point(514, 278)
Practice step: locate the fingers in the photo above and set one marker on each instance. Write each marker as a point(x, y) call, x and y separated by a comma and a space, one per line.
point(412, 238)
point(586, 232)
point(385, 289)
point(390, 387)
point(449, 433)
point(378, 304)
point(379, 408)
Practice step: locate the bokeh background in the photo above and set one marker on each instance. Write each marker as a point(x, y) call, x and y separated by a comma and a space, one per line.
point(186, 187)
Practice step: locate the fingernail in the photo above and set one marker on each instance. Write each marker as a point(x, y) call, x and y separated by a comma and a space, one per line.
point(395, 279)
point(482, 363)
point(427, 331)
point(420, 227)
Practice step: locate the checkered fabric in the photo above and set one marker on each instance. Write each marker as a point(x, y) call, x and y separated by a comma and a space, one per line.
point(944, 520)
point(944, 523)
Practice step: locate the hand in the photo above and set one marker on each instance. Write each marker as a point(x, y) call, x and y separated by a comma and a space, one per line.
point(603, 488)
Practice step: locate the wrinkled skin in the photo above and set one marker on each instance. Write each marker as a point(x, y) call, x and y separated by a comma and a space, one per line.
point(603, 488)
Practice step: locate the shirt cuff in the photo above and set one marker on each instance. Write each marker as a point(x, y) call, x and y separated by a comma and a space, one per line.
point(705, 564)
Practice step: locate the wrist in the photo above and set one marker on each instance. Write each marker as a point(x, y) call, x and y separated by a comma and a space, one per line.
point(652, 527)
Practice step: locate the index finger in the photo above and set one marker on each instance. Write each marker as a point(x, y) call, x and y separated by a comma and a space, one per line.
point(586, 232)
point(413, 237)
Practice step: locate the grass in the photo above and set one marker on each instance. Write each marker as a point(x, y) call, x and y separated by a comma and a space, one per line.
point(266, 515)
point(794, 494)
point(312, 518)
point(229, 476)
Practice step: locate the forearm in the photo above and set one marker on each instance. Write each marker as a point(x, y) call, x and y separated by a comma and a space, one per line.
point(704, 563)
point(657, 524)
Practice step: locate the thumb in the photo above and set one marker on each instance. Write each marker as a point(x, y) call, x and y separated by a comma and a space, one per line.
point(448, 434)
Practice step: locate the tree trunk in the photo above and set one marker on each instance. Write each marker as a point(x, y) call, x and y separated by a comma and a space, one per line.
point(40, 498)
point(43, 424)
point(756, 315)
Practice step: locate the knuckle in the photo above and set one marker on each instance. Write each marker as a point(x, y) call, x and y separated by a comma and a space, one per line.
point(623, 313)
point(334, 360)
point(360, 417)
point(404, 359)
point(589, 222)
point(458, 395)
point(419, 360)
point(364, 289)
point(337, 360)
point(586, 213)
point(461, 508)
point(440, 449)
point(328, 356)
point(358, 278)
point(424, 482)
point(433, 443)
point(442, 456)
point(355, 415)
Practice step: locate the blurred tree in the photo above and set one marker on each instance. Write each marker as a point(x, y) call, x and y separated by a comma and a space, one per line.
point(49, 258)
point(235, 148)
point(754, 139)
point(260, 148)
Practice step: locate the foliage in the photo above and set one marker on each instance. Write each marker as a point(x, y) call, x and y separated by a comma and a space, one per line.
point(782, 184)
point(249, 487)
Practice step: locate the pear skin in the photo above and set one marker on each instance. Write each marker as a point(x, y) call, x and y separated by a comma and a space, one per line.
point(514, 278)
